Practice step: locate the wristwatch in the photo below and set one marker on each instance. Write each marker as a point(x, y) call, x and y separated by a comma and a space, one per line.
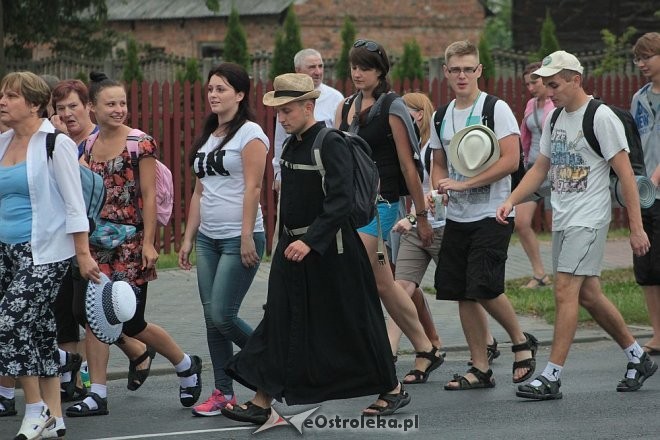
point(412, 219)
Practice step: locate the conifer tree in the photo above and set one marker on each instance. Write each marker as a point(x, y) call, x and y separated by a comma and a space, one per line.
point(486, 58)
point(236, 49)
point(287, 44)
point(549, 42)
point(132, 69)
point(410, 65)
point(348, 33)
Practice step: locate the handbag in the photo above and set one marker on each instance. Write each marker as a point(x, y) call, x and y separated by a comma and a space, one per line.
point(108, 235)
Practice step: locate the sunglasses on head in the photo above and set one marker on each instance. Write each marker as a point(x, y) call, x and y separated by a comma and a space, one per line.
point(371, 46)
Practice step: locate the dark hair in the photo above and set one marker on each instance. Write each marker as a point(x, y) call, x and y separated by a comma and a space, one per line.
point(531, 67)
point(363, 57)
point(100, 81)
point(64, 88)
point(237, 77)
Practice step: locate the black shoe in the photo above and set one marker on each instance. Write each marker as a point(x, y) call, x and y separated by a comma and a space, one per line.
point(190, 395)
point(644, 370)
point(10, 407)
point(68, 390)
point(81, 409)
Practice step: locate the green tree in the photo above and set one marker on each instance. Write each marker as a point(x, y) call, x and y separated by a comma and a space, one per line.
point(549, 42)
point(410, 64)
point(498, 27)
point(236, 49)
point(61, 24)
point(348, 33)
point(190, 72)
point(132, 69)
point(486, 58)
point(287, 44)
point(614, 48)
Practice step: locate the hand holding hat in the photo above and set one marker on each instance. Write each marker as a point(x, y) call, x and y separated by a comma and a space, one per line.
point(107, 306)
point(473, 149)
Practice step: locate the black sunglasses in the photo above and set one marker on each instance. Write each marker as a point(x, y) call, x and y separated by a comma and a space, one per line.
point(371, 46)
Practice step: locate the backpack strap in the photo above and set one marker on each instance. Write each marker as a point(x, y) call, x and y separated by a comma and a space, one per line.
point(554, 117)
point(427, 160)
point(346, 107)
point(588, 125)
point(437, 120)
point(488, 111)
point(132, 146)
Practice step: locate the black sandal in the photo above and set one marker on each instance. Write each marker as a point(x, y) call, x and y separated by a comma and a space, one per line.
point(548, 390)
point(645, 369)
point(68, 389)
point(484, 380)
point(188, 396)
point(393, 403)
point(251, 414)
point(423, 376)
point(492, 351)
point(137, 377)
point(81, 409)
point(531, 344)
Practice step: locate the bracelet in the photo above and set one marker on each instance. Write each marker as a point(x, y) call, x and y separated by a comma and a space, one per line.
point(423, 213)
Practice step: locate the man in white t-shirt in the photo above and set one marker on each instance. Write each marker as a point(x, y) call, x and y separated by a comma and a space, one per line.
point(474, 248)
point(308, 61)
point(581, 215)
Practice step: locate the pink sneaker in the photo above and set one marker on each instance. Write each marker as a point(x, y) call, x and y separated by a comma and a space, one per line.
point(213, 405)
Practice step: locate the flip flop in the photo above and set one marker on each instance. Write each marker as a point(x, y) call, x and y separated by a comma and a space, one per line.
point(651, 351)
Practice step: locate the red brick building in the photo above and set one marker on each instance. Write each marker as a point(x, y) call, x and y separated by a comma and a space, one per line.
point(187, 28)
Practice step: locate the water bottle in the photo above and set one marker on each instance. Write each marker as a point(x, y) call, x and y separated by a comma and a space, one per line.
point(84, 375)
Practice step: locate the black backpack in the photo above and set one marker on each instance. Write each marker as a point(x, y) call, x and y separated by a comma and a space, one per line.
point(92, 186)
point(636, 154)
point(487, 119)
point(385, 108)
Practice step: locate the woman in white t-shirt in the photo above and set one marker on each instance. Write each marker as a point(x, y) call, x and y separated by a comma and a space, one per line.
point(228, 159)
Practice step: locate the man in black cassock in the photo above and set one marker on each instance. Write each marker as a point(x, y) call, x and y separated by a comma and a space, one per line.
point(323, 334)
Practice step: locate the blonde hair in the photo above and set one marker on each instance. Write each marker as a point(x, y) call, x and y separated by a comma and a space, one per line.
point(30, 86)
point(421, 102)
point(461, 48)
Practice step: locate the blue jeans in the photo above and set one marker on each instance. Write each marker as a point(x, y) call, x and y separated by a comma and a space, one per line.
point(223, 282)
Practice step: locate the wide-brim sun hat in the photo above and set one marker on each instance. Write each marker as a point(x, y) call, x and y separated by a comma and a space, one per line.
point(291, 87)
point(107, 306)
point(473, 149)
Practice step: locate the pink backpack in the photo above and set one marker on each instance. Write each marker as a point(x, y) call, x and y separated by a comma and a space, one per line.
point(164, 185)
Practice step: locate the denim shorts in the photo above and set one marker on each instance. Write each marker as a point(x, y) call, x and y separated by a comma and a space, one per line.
point(389, 215)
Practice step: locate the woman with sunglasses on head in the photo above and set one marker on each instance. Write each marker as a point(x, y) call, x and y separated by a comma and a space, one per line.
point(361, 114)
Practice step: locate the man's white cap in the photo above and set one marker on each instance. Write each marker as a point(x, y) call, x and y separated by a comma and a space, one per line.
point(556, 62)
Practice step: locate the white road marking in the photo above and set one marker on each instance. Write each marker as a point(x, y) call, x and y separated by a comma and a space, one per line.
point(171, 434)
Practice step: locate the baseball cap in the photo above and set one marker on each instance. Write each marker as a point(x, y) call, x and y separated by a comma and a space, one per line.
point(556, 62)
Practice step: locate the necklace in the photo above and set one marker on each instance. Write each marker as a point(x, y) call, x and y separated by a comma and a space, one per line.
point(453, 123)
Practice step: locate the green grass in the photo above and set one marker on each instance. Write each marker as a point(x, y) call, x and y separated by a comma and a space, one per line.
point(618, 285)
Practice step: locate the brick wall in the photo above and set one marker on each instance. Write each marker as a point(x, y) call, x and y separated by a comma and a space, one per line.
point(433, 23)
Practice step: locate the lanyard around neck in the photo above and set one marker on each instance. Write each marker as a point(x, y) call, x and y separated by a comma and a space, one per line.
point(474, 104)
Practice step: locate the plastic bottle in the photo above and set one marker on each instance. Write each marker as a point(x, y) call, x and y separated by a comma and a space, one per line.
point(84, 375)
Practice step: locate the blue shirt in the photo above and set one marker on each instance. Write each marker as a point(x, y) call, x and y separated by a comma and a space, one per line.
point(15, 208)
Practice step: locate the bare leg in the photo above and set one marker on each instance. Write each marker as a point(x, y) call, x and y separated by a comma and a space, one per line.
point(567, 288)
point(528, 240)
point(475, 328)
point(158, 338)
point(50, 389)
point(604, 312)
point(425, 317)
point(98, 354)
point(652, 294)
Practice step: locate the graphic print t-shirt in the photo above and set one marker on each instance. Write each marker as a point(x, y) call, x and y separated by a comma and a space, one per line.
point(579, 177)
point(221, 175)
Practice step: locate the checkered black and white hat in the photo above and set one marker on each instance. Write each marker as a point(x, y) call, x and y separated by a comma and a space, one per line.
point(108, 305)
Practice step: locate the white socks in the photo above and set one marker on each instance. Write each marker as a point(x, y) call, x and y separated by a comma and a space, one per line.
point(33, 410)
point(552, 372)
point(186, 363)
point(100, 390)
point(633, 353)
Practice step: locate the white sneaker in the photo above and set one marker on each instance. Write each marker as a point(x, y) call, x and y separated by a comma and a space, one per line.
point(31, 429)
point(57, 430)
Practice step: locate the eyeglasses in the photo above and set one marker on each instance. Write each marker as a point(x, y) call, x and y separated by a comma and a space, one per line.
point(371, 46)
point(466, 70)
point(645, 59)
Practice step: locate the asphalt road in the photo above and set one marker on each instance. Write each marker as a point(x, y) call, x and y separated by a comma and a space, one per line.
point(590, 409)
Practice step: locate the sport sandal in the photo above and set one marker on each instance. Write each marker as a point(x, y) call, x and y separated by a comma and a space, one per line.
point(484, 380)
point(136, 378)
point(436, 359)
point(644, 370)
point(492, 352)
point(9, 405)
point(250, 414)
point(393, 402)
point(68, 390)
point(188, 396)
point(81, 409)
point(531, 344)
point(548, 390)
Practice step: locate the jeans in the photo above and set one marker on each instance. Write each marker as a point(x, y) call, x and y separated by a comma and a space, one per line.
point(223, 282)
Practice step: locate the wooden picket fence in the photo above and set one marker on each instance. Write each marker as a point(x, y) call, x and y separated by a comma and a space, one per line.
point(174, 113)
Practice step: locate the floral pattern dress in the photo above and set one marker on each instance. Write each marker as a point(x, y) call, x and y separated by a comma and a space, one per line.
point(125, 261)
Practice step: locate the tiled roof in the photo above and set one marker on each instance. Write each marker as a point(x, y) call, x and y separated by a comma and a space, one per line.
point(120, 10)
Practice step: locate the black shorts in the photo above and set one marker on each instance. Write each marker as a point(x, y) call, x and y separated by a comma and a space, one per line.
point(647, 268)
point(472, 260)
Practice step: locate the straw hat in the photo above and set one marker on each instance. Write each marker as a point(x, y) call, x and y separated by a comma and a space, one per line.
point(291, 87)
point(473, 149)
point(107, 306)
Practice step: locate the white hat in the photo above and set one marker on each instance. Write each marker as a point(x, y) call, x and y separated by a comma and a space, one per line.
point(107, 306)
point(555, 63)
point(473, 149)
point(291, 87)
